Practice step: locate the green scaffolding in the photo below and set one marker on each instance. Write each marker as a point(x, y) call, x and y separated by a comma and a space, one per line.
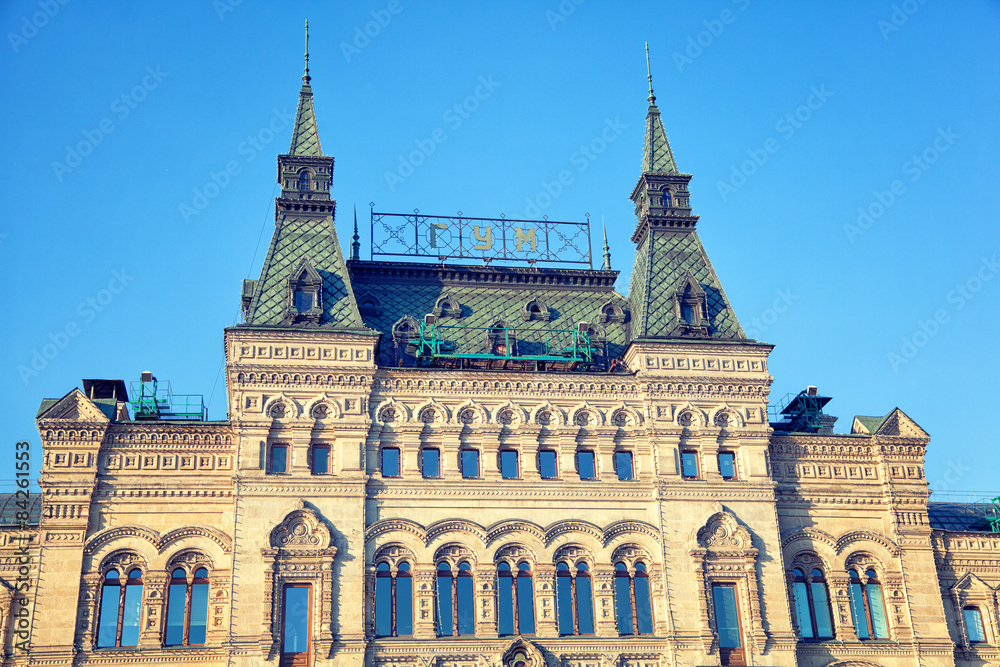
point(436, 342)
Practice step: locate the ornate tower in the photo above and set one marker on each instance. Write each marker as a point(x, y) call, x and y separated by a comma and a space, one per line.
point(675, 292)
point(304, 280)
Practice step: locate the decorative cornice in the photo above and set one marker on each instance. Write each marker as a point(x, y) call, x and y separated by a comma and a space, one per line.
point(363, 271)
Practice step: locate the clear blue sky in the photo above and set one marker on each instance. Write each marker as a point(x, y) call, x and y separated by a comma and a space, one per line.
point(792, 116)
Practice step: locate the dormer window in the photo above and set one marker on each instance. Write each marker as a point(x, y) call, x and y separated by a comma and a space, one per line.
point(447, 306)
point(536, 310)
point(305, 288)
point(305, 180)
point(691, 309)
point(303, 301)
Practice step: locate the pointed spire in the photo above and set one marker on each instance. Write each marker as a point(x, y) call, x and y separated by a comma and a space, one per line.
point(607, 251)
point(657, 158)
point(305, 134)
point(649, 73)
point(356, 245)
point(306, 78)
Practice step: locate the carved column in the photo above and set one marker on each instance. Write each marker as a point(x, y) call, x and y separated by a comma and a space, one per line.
point(603, 580)
point(545, 599)
point(840, 603)
point(485, 597)
point(154, 609)
point(423, 602)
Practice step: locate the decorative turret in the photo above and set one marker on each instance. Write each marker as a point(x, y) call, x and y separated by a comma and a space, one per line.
point(675, 293)
point(304, 281)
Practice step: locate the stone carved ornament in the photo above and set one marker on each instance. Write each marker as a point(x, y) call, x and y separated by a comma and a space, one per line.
point(301, 529)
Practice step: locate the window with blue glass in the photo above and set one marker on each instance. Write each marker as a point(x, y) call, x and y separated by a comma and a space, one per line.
point(867, 606)
point(632, 602)
point(393, 600)
point(812, 604)
point(974, 629)
point(515, 600)
point(278, 463)
point(455, 606)
point(470, 463)
point(623, 465)
point(389, 464)
point(574, 600)
point(547, 465)
point(119, 611)
point(295, 619)
point(689, 464)
point(727, 465)
point(727, 624)
point(586, 464)
point(320, 459)
point(430, 462)
point(508, 464)
point(187, 608)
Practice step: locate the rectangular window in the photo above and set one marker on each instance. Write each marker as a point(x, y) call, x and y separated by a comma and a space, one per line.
point(623, 464)
point(303, 301)
point(508, 464)
point(689, 464)
point(279, 459)
point(470, 463)
point(585, 464)
point(727, 465)
point(295, 620)
point(390, 462)
point(547, 464)
point(727, 623)
point(430, 462)
point(321, 459)
point(974, 625)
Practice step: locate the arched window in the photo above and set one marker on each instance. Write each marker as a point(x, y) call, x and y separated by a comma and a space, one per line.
point(574, 600)
point(456, 611)
point(445, 601)
point(812, 605)
point(187, 608)
point(305, 180)
point(632, 600)
point(668, 201)
point(505, 599)
point(119, 616)
point(525, 600)
point(515, 600)
point(393, 600)
point(867, 606)
point(465, 605)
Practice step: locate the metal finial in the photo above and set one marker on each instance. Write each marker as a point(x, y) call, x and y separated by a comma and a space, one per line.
point(649, 78)
point(356, 245)
point(305, 77)
point(607, 251)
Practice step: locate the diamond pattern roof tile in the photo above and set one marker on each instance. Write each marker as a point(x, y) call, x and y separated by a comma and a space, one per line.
point(482, 306)
point(295, 238)
point(305, 133)
point(662, 261)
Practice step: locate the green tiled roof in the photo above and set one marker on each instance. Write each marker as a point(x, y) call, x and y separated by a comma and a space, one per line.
point(482, 305)
point(663, 259)
point(872, 423)
point(657, 158)
point(305, 134)
point(46, 404)
point(297, 238)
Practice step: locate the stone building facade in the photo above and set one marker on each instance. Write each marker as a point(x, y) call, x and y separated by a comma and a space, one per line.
point(374, 499)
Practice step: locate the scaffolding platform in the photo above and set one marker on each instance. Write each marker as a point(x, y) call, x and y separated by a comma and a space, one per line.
point(454, 346)
point(154, 400)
